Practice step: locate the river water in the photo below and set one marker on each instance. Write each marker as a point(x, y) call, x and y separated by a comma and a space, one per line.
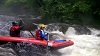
point(86, 40)
point(84, 45)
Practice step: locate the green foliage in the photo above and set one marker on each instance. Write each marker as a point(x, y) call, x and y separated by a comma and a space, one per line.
point(82, 6)
point(11, 2)
point(62, 12)
point(8, 2)
point(66, 11)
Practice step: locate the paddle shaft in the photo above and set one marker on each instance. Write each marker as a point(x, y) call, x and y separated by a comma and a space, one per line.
point(28, 30)
point(47, 54)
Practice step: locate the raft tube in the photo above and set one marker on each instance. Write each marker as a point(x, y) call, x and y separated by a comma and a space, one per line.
point(50, 43)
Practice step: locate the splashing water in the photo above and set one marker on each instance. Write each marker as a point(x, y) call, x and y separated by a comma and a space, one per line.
point(84, 45)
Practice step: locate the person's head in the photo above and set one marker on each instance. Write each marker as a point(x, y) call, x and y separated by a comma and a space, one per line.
point(14, 23)
point(42, 26)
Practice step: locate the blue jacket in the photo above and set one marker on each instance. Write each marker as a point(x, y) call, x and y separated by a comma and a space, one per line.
point(43, 34)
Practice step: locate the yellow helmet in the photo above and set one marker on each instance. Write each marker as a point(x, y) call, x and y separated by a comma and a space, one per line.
point(42, 26)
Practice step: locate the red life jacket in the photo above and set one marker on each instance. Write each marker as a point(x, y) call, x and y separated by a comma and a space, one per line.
point(15, 31)
point(37, 35)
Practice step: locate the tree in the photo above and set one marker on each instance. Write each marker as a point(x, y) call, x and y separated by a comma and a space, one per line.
point(65, 11)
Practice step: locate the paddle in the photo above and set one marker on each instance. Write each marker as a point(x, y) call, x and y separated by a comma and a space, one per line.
point(28, 30)
point(47, 54)
point(36, 24)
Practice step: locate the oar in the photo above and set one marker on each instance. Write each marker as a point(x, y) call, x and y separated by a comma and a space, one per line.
point(36, 24)
point(28, 30)
point(47, 54)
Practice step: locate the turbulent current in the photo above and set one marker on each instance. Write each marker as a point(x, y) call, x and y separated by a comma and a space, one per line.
point(84, 45)
point(86, 40)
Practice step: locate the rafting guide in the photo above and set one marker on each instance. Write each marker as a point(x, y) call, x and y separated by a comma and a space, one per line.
point(15, 29)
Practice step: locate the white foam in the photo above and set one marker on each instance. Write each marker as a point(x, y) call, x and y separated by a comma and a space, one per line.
point(84, 45)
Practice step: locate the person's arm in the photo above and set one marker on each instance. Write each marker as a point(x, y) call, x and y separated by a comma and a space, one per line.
point(42, 33)
point(21, 24)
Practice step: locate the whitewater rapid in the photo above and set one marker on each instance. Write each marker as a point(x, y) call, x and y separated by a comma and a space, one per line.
point(84, 45)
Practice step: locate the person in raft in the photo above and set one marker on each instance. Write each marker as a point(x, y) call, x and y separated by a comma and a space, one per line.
point(40, 34)
point(15, 29)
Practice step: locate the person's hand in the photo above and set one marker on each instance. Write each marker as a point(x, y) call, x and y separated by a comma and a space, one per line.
point(46, 33)
point(20, 19)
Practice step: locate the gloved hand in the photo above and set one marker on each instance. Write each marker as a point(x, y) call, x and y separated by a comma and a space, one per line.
point(46, 34)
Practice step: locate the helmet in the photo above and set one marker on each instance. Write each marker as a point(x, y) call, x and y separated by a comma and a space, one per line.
point(42, 26)
point(14, 23)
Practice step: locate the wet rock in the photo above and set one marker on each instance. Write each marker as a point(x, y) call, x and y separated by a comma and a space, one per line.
point(7, 52)
point(82, 30)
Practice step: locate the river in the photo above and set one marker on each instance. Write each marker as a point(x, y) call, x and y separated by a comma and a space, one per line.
point(86, 40)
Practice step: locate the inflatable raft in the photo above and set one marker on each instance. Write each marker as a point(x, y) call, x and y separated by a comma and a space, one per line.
point(50, 43)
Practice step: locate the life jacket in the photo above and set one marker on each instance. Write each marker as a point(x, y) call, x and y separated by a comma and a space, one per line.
point(37, 35)
point(15, 31)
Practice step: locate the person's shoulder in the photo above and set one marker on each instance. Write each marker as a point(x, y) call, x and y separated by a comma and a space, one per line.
point(41, 30)
point(12, 26)
point(17, 26)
